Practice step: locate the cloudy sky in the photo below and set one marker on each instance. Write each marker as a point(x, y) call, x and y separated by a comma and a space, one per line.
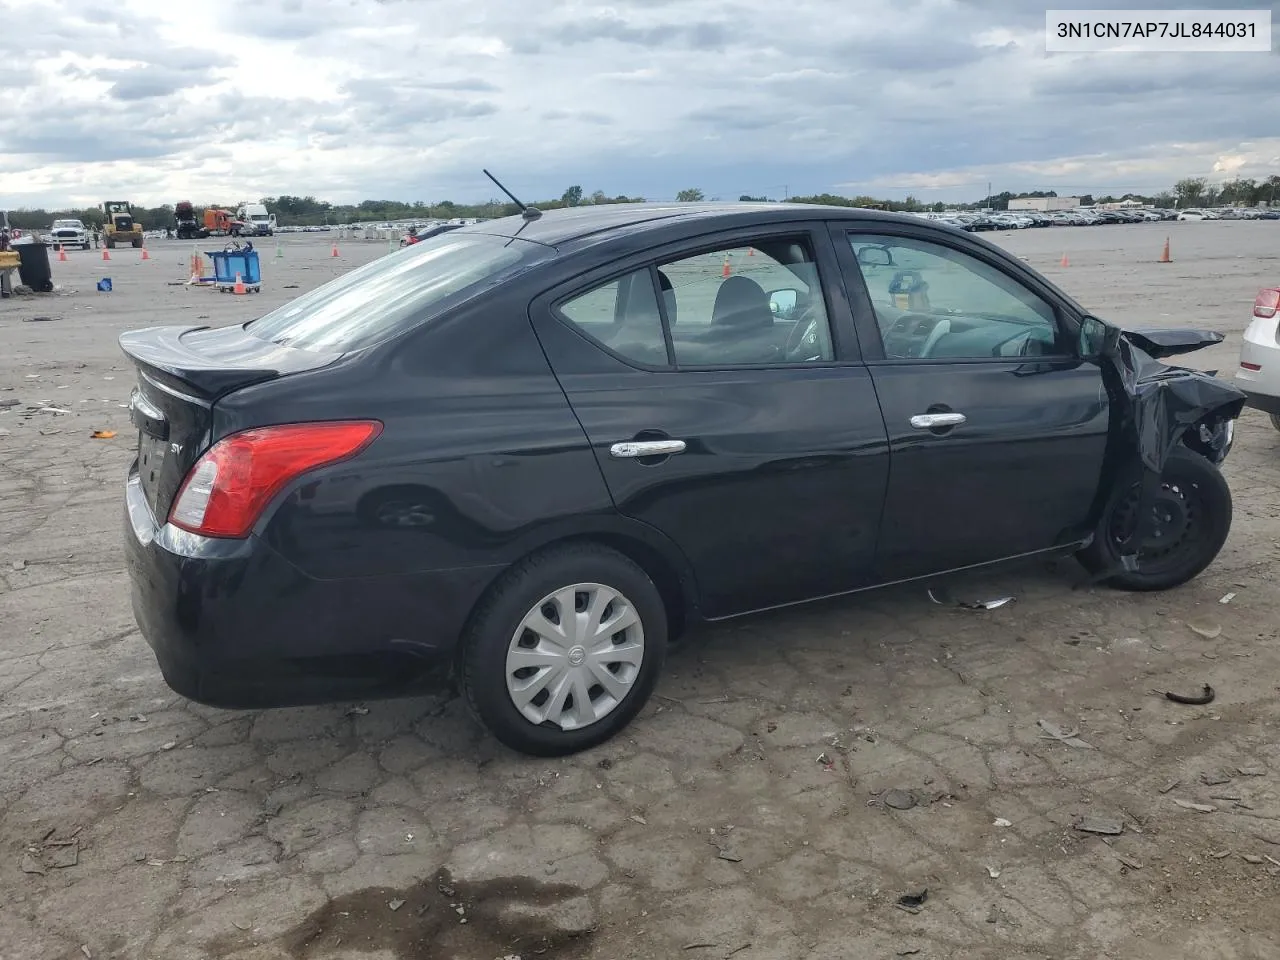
point(162, 100)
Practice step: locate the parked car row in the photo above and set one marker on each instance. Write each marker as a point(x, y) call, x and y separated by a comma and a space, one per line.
point(404, 227)
point(973, 221)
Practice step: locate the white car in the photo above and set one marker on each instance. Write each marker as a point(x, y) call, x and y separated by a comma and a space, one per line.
point(1259, 372)
point(69, 233)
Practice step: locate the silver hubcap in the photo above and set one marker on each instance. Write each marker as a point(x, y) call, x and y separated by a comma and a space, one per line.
point(575, 656)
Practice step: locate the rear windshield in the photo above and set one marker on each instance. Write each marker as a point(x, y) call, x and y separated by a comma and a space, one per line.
point(395, 292)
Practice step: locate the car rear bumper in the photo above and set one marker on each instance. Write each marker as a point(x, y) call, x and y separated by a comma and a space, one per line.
point(232, 623)
point(1258, 375)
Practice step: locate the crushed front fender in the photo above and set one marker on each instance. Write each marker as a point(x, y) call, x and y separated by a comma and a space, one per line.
point(1158, 407)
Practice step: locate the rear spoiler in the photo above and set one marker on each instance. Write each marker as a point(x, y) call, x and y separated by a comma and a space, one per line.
point(211, 362)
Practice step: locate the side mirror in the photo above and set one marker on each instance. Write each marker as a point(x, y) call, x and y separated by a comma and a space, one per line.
point(783, 302)
point(875, 257)
point(1095, 337)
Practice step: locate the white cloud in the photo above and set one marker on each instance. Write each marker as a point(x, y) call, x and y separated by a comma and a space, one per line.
point(353, 99)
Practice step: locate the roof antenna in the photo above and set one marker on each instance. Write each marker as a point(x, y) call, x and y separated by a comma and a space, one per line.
point(529, 213)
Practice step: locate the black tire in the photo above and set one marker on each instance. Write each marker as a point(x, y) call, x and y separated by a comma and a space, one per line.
point(482, 666)
point(1200, 489)
point(84, 246)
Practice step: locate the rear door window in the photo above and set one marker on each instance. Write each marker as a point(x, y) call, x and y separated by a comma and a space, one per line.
point(622, 316)
point(397, 291)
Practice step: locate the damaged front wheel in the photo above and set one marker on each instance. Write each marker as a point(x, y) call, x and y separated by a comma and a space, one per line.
point(1191, 522)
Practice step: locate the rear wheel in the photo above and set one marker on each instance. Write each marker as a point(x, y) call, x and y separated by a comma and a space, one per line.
point(1193, 518)
point(565, 651)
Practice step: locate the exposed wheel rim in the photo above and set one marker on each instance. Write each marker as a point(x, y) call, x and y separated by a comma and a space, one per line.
point(575, 656)
point(1180, 530)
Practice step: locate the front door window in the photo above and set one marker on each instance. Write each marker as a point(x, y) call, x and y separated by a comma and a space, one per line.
point(933, 302)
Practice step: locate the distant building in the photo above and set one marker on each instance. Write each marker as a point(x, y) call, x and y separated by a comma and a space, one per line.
point(1044, 203)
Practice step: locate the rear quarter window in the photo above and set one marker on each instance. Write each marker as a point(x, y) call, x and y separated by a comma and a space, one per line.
point(397, 291)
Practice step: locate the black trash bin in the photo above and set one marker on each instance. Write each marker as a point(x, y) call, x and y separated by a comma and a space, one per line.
point(34, 269)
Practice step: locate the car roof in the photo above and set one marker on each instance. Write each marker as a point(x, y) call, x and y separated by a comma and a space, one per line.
point(601, 221)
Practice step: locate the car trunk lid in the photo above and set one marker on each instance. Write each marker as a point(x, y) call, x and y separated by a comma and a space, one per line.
point(182, 372)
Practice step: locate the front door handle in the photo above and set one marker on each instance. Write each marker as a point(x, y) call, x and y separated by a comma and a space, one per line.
point(931, 421)
point(646, 448)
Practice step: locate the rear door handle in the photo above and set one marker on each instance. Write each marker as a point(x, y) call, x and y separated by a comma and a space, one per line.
point(931, 421)
point(646, 448)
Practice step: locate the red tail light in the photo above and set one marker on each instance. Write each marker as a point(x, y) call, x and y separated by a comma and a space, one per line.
point(1267, 303)
point(226, 491)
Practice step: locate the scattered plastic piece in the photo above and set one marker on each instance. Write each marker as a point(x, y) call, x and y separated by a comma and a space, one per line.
point(912, 902)
point(1207, 696)
point(899, 799)
point(1070, 737)
point(1106, 826)
point(1198, 807)
point(940, 596)
point(103, 434)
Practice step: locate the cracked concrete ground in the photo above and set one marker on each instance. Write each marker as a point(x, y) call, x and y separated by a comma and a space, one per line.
point(743, 814)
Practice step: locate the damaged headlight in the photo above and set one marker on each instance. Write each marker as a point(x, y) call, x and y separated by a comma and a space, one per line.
point(1217, 439)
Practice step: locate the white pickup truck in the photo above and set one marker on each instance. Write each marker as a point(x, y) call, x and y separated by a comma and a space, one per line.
point(69, 233)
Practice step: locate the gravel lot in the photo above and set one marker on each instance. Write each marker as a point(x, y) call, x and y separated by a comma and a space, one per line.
point(742, 814)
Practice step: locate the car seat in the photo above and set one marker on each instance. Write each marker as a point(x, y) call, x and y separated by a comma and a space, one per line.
point(741, 303)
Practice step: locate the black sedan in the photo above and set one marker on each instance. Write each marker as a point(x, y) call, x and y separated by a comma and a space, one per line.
point(534, 451)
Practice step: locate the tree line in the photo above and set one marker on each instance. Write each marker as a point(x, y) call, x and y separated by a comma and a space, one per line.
point(309, 211)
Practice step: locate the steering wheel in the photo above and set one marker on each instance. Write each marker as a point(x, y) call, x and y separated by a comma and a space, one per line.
point(804, 334)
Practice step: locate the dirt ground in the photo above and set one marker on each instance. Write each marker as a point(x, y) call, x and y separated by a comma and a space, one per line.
point(744, 814)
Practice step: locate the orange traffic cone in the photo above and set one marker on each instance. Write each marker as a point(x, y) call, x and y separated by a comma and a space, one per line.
point(145, 255)
point(105, 254)
point(751, 251)
point(62, 253)
point(1064, 262)
point(239, 287)
point(335, 251)
point(726, 271)
point(1164, 254)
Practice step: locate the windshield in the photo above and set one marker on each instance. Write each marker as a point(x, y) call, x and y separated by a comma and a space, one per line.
point(66, 223)
point(396, 291)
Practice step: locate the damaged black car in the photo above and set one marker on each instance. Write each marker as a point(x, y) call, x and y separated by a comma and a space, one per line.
point(533, 452)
